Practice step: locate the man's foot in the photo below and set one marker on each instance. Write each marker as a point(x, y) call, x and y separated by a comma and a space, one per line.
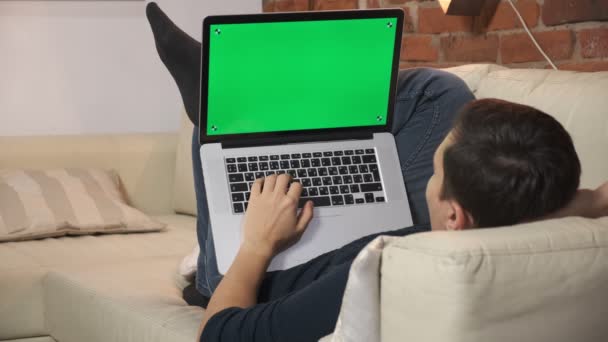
point(181, 54)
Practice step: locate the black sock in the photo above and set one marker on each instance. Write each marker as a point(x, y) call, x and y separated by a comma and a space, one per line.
point(181, 54)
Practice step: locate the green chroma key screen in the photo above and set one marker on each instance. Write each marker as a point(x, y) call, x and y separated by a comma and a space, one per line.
point(302, 75)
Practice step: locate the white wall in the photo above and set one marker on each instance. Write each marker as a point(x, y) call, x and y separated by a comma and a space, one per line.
point(78, 67)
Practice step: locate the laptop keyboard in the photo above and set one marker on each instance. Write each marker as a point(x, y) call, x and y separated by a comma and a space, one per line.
point(330, 178)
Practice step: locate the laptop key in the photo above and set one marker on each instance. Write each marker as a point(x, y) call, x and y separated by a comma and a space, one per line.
point(315, 162)
point(320, 201)
point(296, 156)
point(263, 158)
point(348, 199)
point(247, 195)
point(241, 159)
point(317, 181)
point(252, 159)
point(369, 151)
point(274, 157)
point(346, 161)
point(284, 164)
point(238, 208)
point(231, 168)
point(338, 153)
point(284, 156)
point(269, 173)
point(348, 179)
point(253, 166)
point(322, 171)
point(343, 170)
point(354, 188)
point(380, 199)
point(242, 168)
point(274, 165)
point(292, 173)
point(306, 155)
point(357, 160)
point(336, 161)
point(304, 193)
point(325, 162)
point(323, 191)
point(376, 176)
point(359, 151)
point(359, 201)
point(230, 160)
point(327, 180)
point(369, 187)
point(264, 166)
point(305, 163)
point(249, 177)
point(353, 169)
point(344, 189)
point(349, 152)
point(333, 171)
point(337, 180)
point(327, 154)
point(368, 178)
point(369, 159)
point(238, 187)
point(334, 190)
point(235, 178)
point(259, 175)
point(317, 154)
point(313, 192)
point(358, 179)
point(306, 182)
point(363, 169)
point(369, 198)
point(312, 172)
point(238, 197)
point(295, 164)
point(337, 200)
point(302, 173)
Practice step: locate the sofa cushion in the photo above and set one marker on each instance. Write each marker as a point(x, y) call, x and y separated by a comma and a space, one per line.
point(130, 302)
point(543, 281)
point(184, 199)
point(25, 264)
point(69, 201)
point(577, 100)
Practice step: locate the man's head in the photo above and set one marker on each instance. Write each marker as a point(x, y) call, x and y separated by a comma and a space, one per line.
point(501, 164)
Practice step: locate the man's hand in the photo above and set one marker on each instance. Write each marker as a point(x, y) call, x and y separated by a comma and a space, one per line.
point(271, 223)
point(586, 203)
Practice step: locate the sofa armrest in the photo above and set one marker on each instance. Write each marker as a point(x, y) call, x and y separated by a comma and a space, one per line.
point(144, 161)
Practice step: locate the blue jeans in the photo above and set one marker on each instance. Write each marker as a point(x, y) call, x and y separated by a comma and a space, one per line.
point(427, 102)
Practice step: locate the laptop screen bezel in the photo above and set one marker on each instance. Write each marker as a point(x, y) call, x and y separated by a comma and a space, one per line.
point(303, 135)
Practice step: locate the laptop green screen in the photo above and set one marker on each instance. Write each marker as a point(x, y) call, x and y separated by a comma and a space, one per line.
point(300, 75)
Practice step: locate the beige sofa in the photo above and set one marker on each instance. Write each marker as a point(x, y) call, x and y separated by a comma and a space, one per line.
point(498, 285)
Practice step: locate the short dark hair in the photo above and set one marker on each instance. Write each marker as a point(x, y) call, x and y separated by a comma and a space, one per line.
point(509, 163)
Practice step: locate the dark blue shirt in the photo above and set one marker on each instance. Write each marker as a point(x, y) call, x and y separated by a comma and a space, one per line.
point(298, 304)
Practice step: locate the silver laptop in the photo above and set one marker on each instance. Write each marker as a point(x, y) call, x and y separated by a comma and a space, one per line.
point(312, 95)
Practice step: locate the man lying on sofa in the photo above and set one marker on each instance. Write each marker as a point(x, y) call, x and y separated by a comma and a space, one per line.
point(491, 164)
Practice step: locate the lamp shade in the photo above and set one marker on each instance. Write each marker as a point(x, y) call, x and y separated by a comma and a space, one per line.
point(462, 7)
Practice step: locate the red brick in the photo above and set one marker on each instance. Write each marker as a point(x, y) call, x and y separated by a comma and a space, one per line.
point(470, 49)
point(556, 12)
point(322, 5)
point(585, 66)
point(518, 48)
point(285, 5)
point(505, 18)
point(373, 4)
point(433, 20)
point(594, 42)
point(419, 48)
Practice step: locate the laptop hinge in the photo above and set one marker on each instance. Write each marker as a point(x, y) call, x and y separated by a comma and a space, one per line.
point(296, 139)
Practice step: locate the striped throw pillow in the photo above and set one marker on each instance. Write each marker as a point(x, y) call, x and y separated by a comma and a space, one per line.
point(49, 203)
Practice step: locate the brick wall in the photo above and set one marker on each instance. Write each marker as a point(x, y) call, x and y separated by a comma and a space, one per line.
point(574, 33)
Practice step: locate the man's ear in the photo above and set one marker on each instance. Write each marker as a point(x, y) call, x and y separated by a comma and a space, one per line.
point(458, 218)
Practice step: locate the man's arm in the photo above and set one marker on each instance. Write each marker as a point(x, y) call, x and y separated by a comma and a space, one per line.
point(587, 203)
point(270, 225)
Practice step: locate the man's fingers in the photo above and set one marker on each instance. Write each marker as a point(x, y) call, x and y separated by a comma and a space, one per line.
point(269, 184)
point(295, 189)
point(304, 218)
point(256, 189)
point(282, 183)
